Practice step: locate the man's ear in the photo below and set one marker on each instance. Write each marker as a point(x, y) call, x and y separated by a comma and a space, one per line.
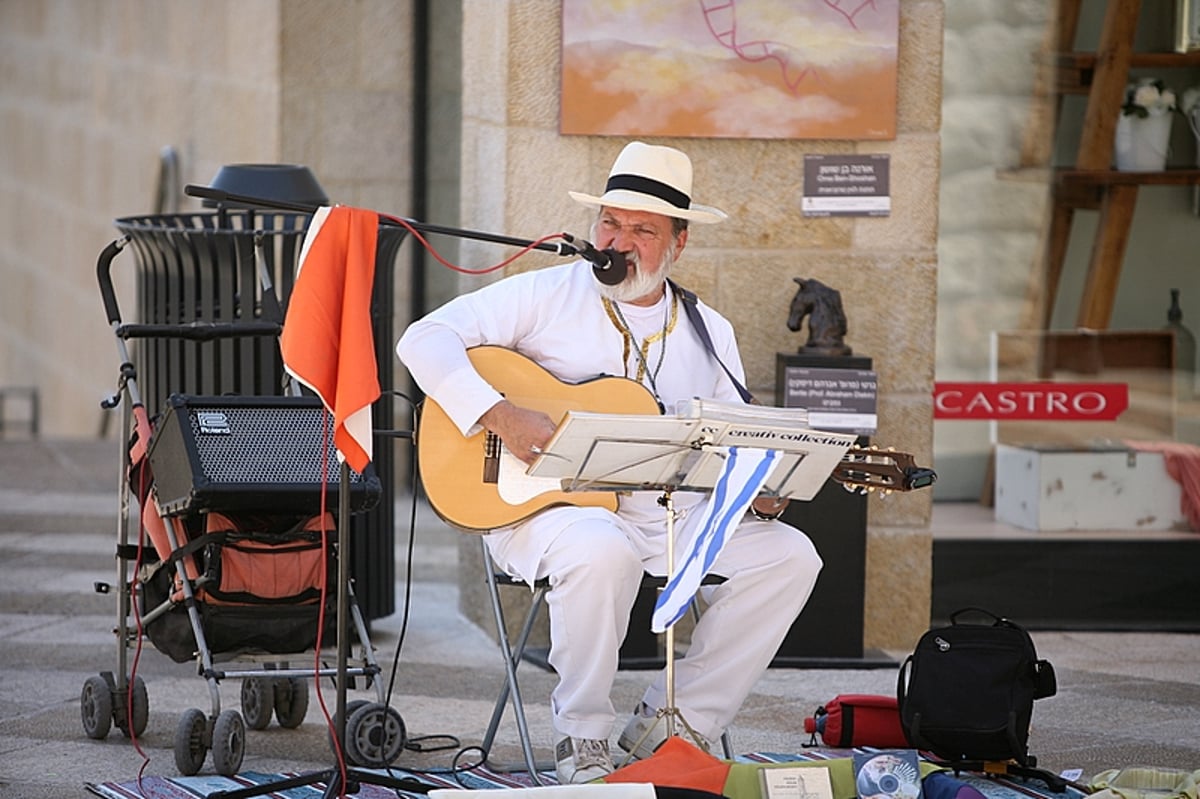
point(680, 243)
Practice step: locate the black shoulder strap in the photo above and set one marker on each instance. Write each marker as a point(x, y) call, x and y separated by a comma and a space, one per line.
point(691, 308)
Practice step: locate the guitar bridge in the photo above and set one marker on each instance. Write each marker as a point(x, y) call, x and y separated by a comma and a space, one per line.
point(491, 458)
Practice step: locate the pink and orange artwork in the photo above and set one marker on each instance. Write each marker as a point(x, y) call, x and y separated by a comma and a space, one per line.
point(759, 69)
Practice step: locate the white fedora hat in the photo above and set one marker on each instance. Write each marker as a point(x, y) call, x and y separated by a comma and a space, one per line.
point(648, 177)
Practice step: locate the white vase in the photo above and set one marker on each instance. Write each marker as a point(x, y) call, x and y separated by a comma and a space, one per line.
point(1142, 142)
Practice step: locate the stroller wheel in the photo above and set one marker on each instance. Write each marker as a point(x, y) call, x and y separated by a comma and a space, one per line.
point(351, 706)
point(291, 701)
point(140, 708)
point(190, 745)
point(96, 707)
point(374, 735)
point(228, 743)
point(258, 700)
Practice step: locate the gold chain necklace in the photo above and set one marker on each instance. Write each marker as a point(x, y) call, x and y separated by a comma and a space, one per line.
point(670, 317)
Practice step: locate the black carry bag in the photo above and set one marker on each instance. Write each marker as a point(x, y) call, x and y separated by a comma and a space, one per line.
point(966, 692)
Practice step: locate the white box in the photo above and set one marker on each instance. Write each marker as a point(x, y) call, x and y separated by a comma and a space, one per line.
point(1054, 488)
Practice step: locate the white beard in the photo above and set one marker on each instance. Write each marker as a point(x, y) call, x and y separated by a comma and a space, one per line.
point(642, 283)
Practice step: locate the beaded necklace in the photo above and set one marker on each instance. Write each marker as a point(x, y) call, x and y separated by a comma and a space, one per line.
point(644, 372)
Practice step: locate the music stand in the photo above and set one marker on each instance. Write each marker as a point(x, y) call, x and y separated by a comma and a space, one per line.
point(682, 453)
point(669, 454)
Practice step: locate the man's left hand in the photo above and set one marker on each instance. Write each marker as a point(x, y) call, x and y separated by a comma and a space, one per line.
point(769, 506)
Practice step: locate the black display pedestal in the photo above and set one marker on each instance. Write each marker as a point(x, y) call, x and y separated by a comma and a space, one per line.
point(829, 631)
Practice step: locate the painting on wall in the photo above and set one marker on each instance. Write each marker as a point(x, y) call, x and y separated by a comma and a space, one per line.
point(761, 69)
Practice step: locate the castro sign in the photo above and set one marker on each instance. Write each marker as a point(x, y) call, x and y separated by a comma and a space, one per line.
point(1091, 402)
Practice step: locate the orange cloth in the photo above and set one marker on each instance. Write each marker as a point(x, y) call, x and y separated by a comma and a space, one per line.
point(677, 764)
point(1183, 466)
point(327, 342)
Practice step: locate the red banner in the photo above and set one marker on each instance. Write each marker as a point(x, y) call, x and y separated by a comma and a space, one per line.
point(1049, 402)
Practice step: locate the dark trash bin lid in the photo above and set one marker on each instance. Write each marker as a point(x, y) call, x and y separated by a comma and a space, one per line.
point(291, 183)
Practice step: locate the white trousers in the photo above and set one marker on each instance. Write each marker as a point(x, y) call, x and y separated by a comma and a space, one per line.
point(594, 560)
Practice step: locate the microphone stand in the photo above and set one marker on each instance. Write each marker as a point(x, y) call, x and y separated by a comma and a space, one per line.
point(583, 250)
point(332, 777)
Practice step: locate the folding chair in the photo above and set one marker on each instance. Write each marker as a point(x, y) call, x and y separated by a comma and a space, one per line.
point(514, 651)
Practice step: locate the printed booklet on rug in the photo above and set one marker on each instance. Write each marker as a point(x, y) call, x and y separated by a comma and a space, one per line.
point(797, 782)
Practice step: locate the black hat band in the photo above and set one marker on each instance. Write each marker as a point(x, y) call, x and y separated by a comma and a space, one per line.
point(649, 186)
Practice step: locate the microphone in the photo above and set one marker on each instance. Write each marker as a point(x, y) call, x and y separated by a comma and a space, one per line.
point(608, 265)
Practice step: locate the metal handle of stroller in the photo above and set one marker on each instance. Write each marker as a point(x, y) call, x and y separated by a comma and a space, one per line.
point(103, 263)
point(192, 331)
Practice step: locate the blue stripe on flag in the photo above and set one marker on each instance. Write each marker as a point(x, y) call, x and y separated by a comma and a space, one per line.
point(742, 477)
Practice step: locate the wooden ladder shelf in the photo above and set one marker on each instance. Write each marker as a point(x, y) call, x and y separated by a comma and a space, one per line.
point(1092, 184)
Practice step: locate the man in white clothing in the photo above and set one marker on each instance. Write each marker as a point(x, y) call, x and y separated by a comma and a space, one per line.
point(578, 328)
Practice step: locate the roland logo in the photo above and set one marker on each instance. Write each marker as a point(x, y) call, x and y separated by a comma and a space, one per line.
point(213, 423)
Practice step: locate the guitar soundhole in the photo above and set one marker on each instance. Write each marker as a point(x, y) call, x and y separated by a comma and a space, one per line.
point(491, 458)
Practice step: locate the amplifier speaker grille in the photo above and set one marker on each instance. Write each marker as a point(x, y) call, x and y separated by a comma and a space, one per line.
point(250, 453)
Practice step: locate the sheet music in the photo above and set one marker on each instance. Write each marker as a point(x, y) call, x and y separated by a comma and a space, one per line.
point(621, 450)
point(697, 408)
point(597, 450)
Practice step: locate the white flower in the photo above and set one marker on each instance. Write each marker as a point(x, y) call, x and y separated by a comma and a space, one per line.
point(1147, 97)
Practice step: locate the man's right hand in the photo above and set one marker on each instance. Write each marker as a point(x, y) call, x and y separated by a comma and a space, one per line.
point(523, 431)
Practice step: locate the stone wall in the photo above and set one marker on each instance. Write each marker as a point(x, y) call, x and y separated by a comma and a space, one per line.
point(991, 215)
point(94, 92)
point(990, 219)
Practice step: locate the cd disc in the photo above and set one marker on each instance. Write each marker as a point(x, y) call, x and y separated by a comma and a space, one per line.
point(888, 776)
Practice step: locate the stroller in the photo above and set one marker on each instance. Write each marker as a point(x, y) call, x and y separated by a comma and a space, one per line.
point(226, 552)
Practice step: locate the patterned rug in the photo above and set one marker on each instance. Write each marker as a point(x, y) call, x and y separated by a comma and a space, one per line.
point(482, 777)
point(203, 785)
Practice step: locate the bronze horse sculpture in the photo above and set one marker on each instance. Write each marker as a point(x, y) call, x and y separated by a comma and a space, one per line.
point(822, 306)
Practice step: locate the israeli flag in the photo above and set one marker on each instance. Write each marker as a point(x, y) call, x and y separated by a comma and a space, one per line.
point(744, 473)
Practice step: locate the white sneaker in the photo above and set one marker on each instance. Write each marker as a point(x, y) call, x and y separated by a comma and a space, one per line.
point(580, 760)
point(646, 731)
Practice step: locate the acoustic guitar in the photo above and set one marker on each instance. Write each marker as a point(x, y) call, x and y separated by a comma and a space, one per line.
point(461, 474)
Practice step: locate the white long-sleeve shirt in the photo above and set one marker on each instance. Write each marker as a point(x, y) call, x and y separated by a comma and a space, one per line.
point(556, 318)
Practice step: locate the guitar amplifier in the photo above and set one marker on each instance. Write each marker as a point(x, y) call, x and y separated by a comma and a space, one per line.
point(265, 454)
